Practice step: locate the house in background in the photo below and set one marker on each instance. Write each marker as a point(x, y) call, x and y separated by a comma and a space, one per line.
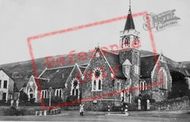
point(6, 86)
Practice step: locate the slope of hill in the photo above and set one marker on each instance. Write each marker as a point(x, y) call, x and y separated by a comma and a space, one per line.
point(21, 71)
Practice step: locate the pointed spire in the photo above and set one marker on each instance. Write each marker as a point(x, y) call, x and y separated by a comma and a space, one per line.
point(129, 23)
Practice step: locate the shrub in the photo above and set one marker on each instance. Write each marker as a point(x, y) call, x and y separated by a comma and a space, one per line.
point(32, 100)
point(12, 111)
point(54, 100)
point(28, 103)
point(73, 100)
point(4, 103)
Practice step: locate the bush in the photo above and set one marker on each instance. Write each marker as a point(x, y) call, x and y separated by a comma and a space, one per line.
point(12, 111)
point(32, 100)
point(28, 103)
point(4, 103)
point(54, 100)
point(73, 99)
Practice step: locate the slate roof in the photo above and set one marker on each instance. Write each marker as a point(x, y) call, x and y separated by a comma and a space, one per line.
point(82, 68)
point(147, 65)
point(148, 60)
point(129, 23)
point(56, 77)
point(113, 60)
point(145, 53)
point(42, 83)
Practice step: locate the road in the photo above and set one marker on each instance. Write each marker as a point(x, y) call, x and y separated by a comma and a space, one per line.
point(104, 117)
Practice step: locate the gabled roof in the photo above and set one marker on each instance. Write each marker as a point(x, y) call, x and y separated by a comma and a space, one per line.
point(145, 53)
point(7, 73)
point(147, 65)
point(56, 77)
point(43, 83)
point(82, 68)
point(113, 60)
point(76, 67)
point(17, 85)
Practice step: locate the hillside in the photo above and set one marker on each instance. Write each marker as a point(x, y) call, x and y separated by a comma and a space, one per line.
point(21, 71)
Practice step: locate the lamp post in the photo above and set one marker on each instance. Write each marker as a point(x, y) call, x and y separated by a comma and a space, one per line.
point(50, 90)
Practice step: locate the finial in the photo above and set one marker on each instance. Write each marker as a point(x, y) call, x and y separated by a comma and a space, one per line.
point(129, 4)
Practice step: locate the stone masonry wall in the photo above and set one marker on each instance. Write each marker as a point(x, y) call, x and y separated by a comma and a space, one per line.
point(173, 104)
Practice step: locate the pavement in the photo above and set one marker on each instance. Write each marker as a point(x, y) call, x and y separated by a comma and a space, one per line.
point(131, 113)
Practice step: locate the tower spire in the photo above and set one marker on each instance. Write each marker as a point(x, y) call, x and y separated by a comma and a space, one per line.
point(129, 36)
point(129, 23)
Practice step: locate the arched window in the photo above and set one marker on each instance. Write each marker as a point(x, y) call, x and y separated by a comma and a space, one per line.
point(97, 80)
point(94, 85)
point(99, 85)
point(75, 87)
point(126, 41)
point(60, 92)
point(162, 78)
point(31, 93)
point(57, 92)
point(143, 85)
point(44, 94)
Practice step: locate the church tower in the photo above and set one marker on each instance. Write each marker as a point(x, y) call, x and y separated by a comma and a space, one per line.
point(129, 36)
point(129, 57)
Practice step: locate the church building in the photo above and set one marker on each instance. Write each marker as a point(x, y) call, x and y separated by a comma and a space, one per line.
point(108, 77)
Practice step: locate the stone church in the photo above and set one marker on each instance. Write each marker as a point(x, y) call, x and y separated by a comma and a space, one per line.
point(107, 77)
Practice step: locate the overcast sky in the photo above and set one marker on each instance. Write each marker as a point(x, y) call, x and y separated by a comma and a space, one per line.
point(20, 19)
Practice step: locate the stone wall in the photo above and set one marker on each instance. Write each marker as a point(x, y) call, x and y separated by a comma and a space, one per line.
point(172, 104)
point(106, 87)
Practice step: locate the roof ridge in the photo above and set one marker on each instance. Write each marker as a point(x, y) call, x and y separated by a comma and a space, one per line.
point(110, 51)
point(67, 66)
point(41, 78)
point(149, 56)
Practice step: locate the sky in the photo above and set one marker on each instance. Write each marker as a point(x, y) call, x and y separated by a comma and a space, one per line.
point(20, 19)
